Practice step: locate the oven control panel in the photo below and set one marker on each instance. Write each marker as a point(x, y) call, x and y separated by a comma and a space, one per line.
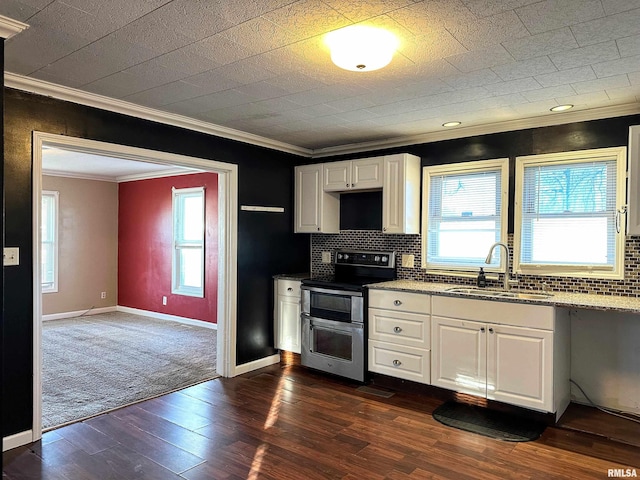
point(366, 259)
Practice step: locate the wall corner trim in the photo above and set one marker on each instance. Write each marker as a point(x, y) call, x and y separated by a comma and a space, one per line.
point(17, 440)
point(256, 364)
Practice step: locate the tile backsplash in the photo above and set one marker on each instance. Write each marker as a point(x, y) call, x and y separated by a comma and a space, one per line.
point(411, 244)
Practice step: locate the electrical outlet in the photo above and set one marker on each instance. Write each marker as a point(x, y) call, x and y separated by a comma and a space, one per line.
point(11, 256)
point(407, 261)
point(326, 257)
point(164, 300)
point(103, 295)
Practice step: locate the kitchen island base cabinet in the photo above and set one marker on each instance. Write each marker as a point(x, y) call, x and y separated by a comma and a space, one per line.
point(475, 351)
point(287, 315)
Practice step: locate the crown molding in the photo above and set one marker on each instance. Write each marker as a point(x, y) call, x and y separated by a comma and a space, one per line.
point(40, 87)
point(79, 176)
point(10, 27)
point(484, 129)
point(122, 178)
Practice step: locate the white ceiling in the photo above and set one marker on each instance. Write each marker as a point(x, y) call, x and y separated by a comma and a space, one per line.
point(260, 66)
point(69, 163)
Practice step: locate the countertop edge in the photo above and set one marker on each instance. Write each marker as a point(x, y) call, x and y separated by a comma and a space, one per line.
point(611, 303)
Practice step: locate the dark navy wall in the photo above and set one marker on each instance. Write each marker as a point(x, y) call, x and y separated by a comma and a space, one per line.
point(266, 243)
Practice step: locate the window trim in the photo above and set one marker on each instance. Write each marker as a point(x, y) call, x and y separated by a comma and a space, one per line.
point(619, 154)
point(176, 288)
point(458, 168)
point(56, 240)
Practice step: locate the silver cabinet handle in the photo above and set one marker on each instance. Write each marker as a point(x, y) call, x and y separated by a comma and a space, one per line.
point(397, 303)
point(397, 363)
point(397, 329)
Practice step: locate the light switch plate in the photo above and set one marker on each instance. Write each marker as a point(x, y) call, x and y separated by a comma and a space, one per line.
point(407, 261)
point(11, 256)
point(326, 257)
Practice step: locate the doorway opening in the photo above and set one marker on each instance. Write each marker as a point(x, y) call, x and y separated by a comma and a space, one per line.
point(225, 238)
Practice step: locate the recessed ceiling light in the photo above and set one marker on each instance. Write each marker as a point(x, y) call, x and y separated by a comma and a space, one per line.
point(451, 124)
point(561, 108)
point(360, 48)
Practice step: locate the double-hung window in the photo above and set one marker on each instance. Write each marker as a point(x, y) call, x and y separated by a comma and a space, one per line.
point(49, 242)
point(568, 213)
point(188, 242)
point(464, 213)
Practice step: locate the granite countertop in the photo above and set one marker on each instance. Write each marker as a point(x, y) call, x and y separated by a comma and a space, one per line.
point(559, 299)
point(291, 276)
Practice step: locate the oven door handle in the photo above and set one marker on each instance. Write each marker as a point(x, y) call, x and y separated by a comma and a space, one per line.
point(333, 324)
point(342, 293)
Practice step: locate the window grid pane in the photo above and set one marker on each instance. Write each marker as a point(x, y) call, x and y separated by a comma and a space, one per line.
point(188, 260)
point(569, 213)
point(48, 241)
point(464, 219)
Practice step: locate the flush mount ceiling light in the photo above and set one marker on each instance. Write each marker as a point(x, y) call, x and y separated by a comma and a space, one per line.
point(451, 124)
point(561, 108)
point(359, 48)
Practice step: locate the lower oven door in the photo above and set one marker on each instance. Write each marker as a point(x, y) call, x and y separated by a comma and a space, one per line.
point(334, 347)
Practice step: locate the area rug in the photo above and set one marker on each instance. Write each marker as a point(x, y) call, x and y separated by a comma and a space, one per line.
point(96, 363)
point(489, 423)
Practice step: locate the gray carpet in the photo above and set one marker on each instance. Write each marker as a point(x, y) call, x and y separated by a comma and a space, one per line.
point(96, 363)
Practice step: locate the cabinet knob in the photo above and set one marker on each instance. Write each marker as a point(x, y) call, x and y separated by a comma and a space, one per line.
point(289, 289)
point(347, 185)
point(318, 228)
point(397, 329)
point(482, 329)
point(397, 363)
point(397, 303)
point(491, 330)
point(384, 229)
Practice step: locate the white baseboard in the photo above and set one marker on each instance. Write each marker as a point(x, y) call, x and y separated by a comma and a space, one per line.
point(17, 440)
point(256, 364)
point(165, 316)
point(93, 311)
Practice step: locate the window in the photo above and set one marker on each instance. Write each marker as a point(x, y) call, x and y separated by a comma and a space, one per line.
point(568, 213)
point(188, 239)
point(464, 213)
point(49, 242)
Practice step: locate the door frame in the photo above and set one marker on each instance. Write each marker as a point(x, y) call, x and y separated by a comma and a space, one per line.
point(227, 241)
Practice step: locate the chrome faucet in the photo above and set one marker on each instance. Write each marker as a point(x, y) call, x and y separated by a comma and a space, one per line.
point(507, 281)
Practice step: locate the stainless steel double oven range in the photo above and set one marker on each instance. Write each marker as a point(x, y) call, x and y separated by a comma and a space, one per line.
point(334, 320)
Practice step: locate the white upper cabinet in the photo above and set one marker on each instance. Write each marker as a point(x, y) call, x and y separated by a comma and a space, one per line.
point(633, 188)
point(362, 174)
point(318, 188)
point(315, 210)
point(401, 194)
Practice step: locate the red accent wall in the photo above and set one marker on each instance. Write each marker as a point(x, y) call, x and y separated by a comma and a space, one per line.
point(145, 246)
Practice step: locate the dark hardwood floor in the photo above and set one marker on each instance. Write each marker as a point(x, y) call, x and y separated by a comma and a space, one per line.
point(286, 422)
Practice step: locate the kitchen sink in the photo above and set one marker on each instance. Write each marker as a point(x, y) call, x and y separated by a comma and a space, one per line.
point(483, 292)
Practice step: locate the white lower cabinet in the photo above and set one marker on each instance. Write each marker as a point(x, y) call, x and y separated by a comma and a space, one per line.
point(476, 351)
point(287, 315)
point(400, 335)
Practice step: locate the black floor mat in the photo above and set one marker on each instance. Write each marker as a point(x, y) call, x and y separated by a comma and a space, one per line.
point(489, 423)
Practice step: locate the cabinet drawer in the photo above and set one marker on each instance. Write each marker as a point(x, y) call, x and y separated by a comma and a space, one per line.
point(400, 361)
point(289, 288)
point(400, 301)
point(402, 328)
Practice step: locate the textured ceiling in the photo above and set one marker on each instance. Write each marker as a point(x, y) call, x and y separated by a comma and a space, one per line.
point(261, 67)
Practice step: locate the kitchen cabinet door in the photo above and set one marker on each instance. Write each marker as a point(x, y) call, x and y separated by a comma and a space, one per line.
point(459, 355)
point(367, 173)
point(289, 324)
point(401, 194)
point(315, 210)
point(520, 366)
point(287, 321)
point(337, 176)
